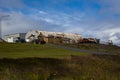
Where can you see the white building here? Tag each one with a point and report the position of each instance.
(12, 38)
(29, 36)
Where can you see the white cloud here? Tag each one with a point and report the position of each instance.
(42, 12)
(19, 22)
(115, 30)
(109, 34)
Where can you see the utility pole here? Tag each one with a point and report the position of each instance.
(1, 18)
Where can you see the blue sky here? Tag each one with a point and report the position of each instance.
(90, 18)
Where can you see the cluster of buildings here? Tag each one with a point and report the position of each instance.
(39, 37)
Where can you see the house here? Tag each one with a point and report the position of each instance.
(12, 38)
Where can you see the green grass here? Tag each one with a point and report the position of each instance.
(34, 50)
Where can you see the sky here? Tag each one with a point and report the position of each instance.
(89, 18)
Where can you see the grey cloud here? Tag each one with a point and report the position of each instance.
(12, 4)
(19, 22)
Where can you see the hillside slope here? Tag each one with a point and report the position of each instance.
(45, 62)
(18, 50)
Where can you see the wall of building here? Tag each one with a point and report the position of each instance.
(14, 37)
(74, 37)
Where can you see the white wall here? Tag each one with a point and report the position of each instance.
(10, 39)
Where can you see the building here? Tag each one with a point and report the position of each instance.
(52, 37)
(12, 38)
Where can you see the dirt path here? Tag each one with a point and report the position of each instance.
(77, 49)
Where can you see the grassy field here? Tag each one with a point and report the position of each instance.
(34, 50)
(43, 62)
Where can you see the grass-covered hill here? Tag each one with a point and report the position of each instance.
(34, 50)
(45, 62)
